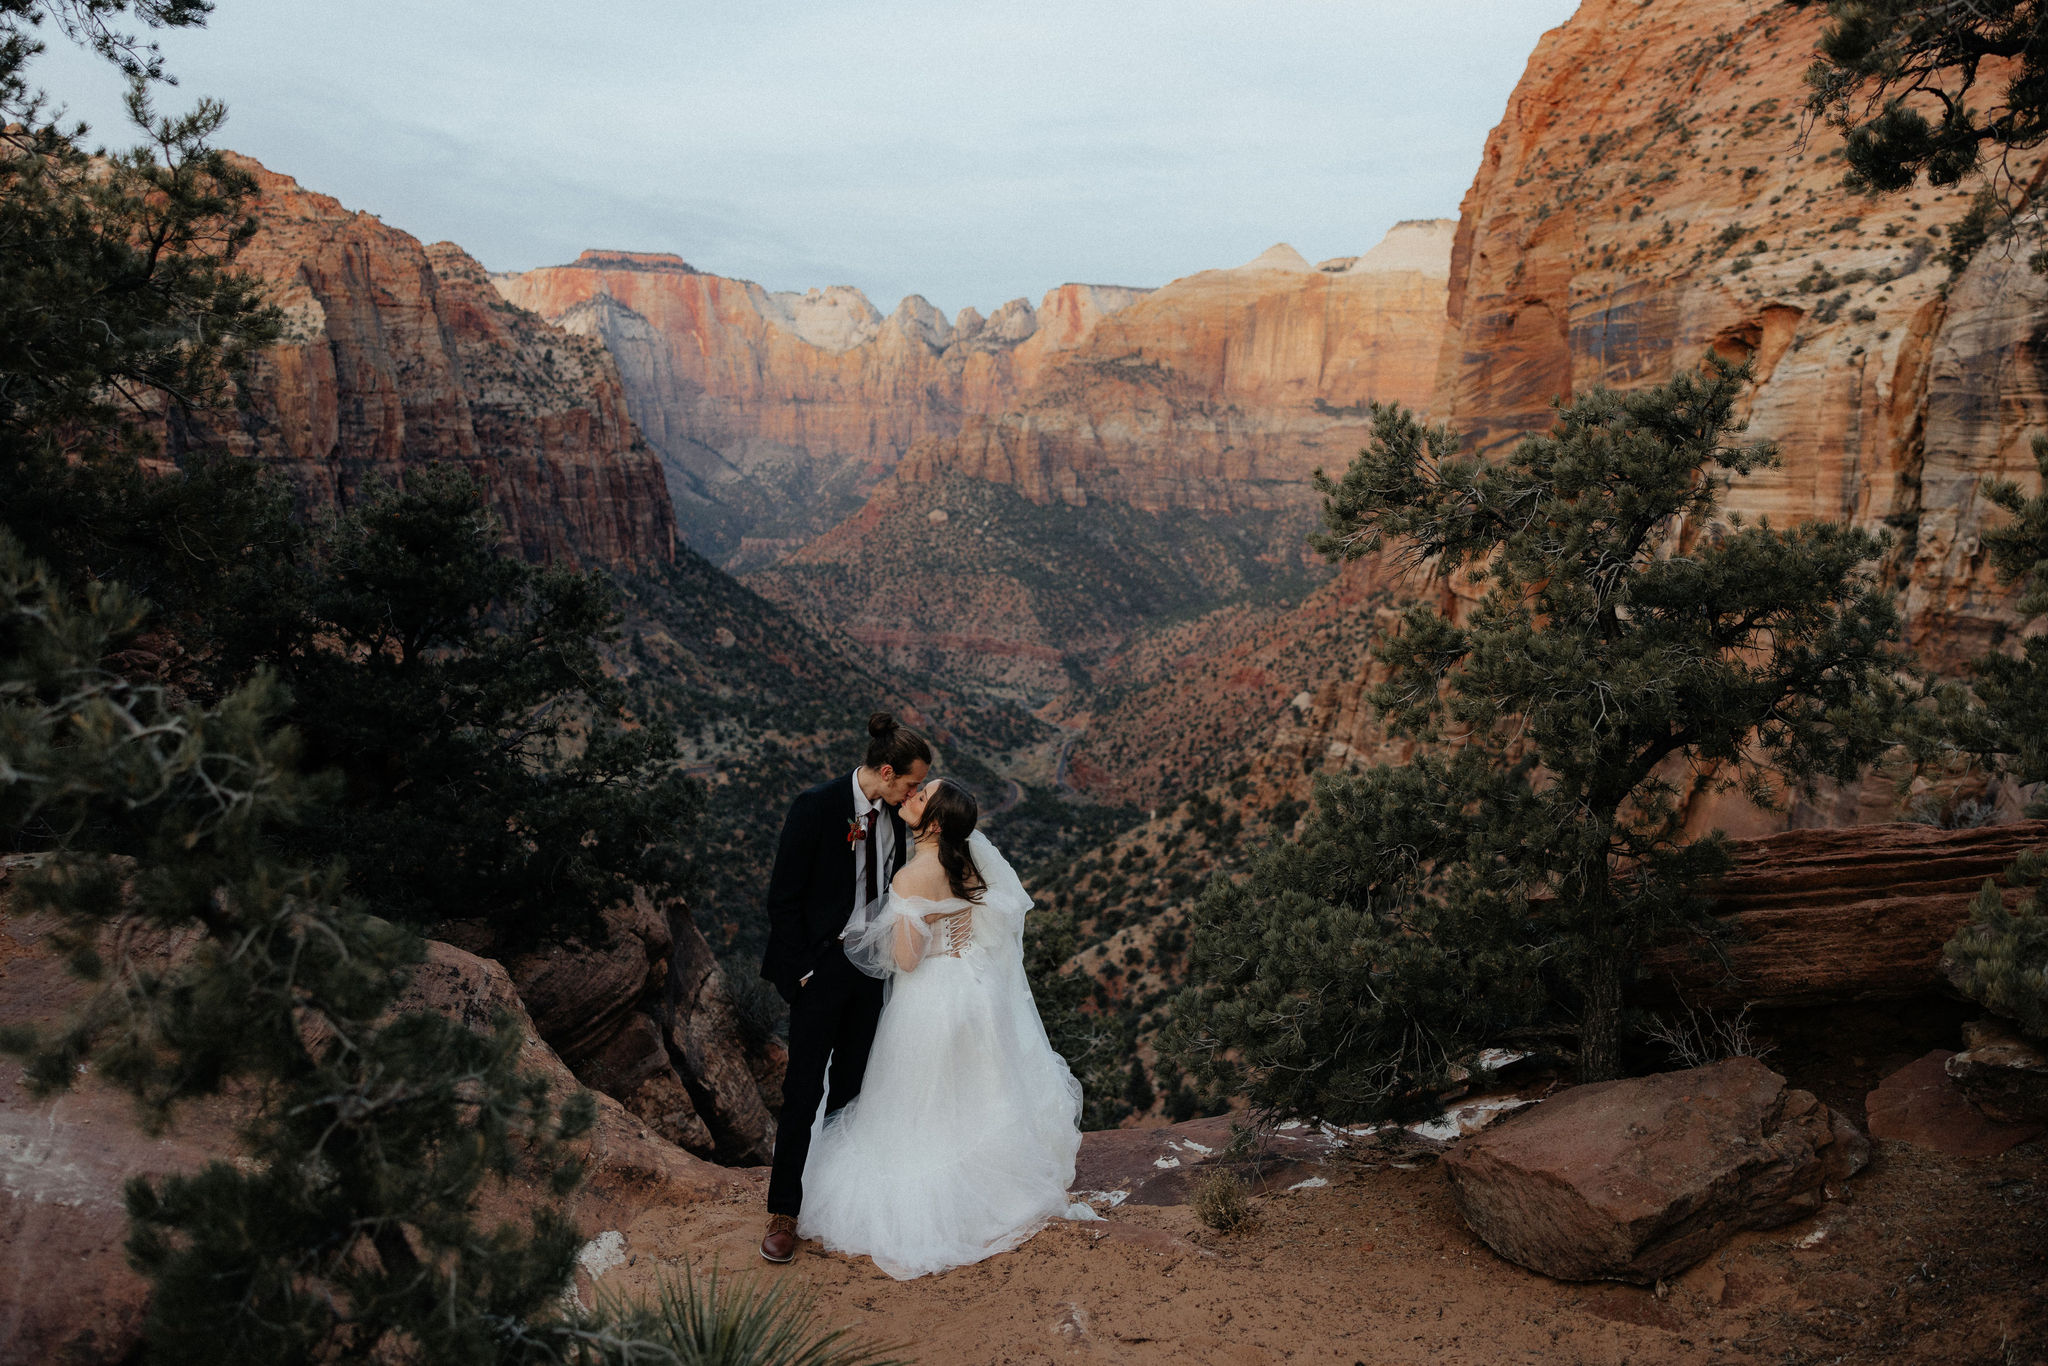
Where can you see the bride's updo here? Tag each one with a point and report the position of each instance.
(950, 812)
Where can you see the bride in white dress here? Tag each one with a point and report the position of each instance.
(961, 1142)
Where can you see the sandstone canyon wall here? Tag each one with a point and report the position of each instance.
(1655, 193)
(1224, 389)
(398, 354)
(776, 413)
(1157, 467)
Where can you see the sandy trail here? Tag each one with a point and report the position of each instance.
(1376, 1268)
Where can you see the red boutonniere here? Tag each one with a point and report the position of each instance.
(856, 830)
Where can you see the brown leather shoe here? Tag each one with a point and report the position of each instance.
(779, 1243)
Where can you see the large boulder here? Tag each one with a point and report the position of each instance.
(581, 993)
(1820, 917)
(1637, 1180)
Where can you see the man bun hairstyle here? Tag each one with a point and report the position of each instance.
(891, 744)
(951, 812)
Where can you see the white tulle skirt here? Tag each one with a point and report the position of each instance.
(961, 1143)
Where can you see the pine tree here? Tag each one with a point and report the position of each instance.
(1884, 65)
(1631, 637)
(2000, 957)
(148, 775)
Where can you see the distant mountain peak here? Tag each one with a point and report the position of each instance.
(1279, 256)
(601, 259)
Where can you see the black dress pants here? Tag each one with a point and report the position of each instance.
(831, 1028)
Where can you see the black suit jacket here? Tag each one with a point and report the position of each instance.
(810, 891)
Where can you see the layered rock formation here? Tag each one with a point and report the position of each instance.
(1159, 465)
(1222, 390)
(1821, 917)
(644, 1016)
(398, 354)
(776, 413)
(1654, 195)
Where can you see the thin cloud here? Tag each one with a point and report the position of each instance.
(966, 152)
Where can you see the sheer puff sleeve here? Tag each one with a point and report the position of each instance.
(1000, 912)
(892, 936)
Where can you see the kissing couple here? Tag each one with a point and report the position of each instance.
(896, 934)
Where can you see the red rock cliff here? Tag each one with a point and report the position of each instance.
(787, 408)
(1651, 195)
(1655, 193)
(1221, 390)
(397, 354)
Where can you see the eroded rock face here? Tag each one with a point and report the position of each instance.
(1651, 197)
(776, 412)
(397, 354)
(646, 1018)
(2004, 1075)
(1820, 917)
(1222, 390)
(1637, 1180)
(1923, 1105)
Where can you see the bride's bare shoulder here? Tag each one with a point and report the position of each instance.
(923, 878)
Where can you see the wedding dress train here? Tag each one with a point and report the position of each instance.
(961, 1143)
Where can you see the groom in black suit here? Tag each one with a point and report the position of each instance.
(842, 843)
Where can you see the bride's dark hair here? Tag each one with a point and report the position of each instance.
(951, 812)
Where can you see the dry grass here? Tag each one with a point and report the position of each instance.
(1221, 1200)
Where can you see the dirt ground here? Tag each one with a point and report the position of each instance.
(1927, 1259)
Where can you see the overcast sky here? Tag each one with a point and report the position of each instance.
(969, 152)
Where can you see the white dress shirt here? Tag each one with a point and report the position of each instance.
(885, 845)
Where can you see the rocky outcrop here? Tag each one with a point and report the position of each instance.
(2004, 1075)
(1820, 917)
(776, 413)
(1637, 1180)
(67, 1293)
(398, 354)
(644, 1016)
(1921, 1104)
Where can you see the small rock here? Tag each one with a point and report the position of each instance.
(2002, 1074)
(1637, 1180)
(1921, 1104)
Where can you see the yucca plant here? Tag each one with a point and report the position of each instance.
(712, 1322)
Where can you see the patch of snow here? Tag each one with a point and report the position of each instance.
(1813, 1239)
(1442, 1129)
(1493, 1059)
(1290, 1124)
(1313, 1183)
(1109, 1199)
(1166, 1163)
(1403, 1166)
(602, 1253)
(1082, 1212)
(1190, 1143)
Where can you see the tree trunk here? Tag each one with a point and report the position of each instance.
(1600, 1021)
